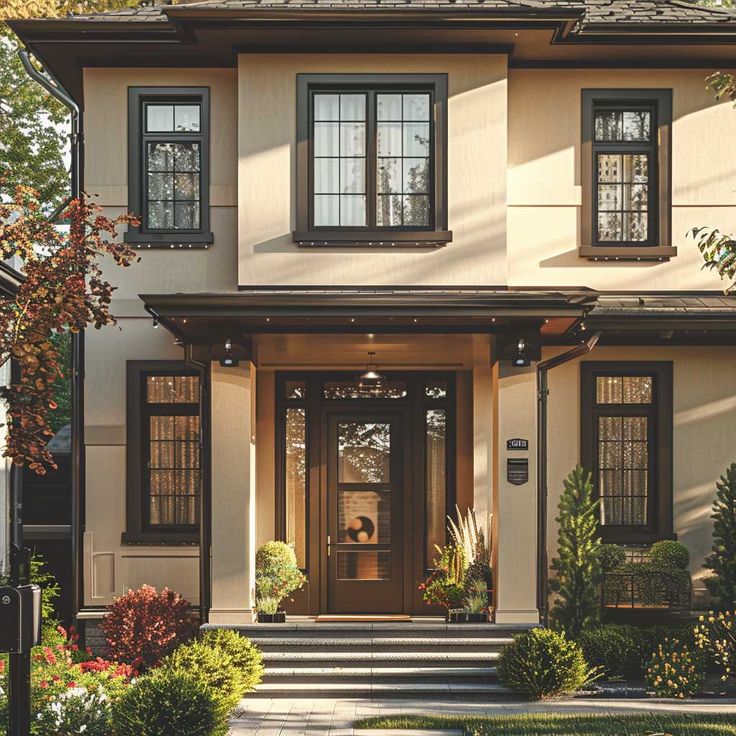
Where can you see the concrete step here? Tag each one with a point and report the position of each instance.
(391, 689)
(366, 643)
(372, 673)
(385, 630)
(377, 656)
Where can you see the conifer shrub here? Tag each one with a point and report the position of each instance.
(210, 665)
(167, 702)
(144, 625)
(722, 559)
(577, 565)
(674, 670)
(246, 656)
(543, 663)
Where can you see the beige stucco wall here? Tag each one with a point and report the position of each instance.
(110, 567)
(704, 430)
(476, 175)
(544, 189)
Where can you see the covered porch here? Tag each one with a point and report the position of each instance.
(361, 479)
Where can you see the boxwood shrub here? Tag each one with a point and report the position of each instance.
(543, 663)
(246, 657)
(614, 649)
(166, 702)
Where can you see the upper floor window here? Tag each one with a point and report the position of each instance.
(626, 178)
(169, 166)
(372, 160)
(627, 444)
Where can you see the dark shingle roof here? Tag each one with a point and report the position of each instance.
(594, 12)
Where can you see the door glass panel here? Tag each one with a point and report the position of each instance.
(364, 517)
(296, 483)
(364, 452)
(436, 480)
(363, 565)
(357, 390)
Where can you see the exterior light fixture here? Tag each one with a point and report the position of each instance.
(228, 345)
(522, 359)
(371, 381)
(155, 323)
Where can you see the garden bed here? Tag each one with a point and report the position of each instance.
(562, 725)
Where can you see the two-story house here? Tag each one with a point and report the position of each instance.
(369, 231)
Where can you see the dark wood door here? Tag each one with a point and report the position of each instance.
(365, 507)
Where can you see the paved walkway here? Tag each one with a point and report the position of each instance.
(328, 717)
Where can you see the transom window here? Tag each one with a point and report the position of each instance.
(169, 165)
(372, 160)
(626, 183)
(627, 435)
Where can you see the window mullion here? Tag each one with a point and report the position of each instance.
(371, 163)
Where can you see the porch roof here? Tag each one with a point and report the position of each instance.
(648, 318)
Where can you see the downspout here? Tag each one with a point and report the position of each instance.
(543, 369)
(56, 90)
(205, 510)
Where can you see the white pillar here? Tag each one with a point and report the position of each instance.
(516, 505)
(233, 426)
(484, 420)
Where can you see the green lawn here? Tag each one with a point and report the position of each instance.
(567, 725)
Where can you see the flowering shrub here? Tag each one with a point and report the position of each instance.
(277, 572)
(715, 636)
(674, 671)
(144, 625)
(74, 711)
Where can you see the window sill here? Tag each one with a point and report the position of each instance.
(160, 539)
(637, 538)
(169, 241)
(627, 253)
(373, 239)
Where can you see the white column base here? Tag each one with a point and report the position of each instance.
(509, 616)
(231, 616)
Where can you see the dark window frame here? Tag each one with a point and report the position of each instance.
(660, 521)
(140, 236)
(437, 233)
(137, 530)
(659, 242)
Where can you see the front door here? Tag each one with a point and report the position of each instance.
(365, 506)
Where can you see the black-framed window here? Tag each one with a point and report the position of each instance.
(168, 166)
(626, 178)
(164, 467)
(627, 445)
(371, 160)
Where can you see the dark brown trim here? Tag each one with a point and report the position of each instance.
(136, 531)
(660, 512)
(436, 233)
(660, 175)
(140, 236)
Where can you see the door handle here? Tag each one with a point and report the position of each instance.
(329, 545)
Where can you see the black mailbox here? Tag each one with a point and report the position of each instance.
(20, 618)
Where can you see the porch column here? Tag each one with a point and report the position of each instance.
(515, 505)
(233, 426)
(485, 421)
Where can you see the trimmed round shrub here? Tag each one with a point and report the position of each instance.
(668, 555)
(614, 649)
(246, 656)
(167, 702)
(674, 670)
(543, 663)
(212, 666)
(277, 572)
(143, 625)
(611, 557)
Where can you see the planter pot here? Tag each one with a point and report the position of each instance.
(457, 617)
(272, 618)
(477, 618)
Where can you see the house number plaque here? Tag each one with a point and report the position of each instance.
(517, 444)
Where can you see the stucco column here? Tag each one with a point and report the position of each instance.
(516, 505)
(233, 493)
(484, 426)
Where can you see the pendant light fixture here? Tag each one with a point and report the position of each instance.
(371, 381)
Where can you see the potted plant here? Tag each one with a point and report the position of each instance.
(277, 576)
(477, 601)
(445, 584)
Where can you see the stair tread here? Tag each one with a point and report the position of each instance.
(327, 655)
(490, 687)
(433, 671)
(380, 641)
